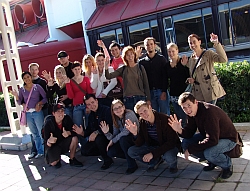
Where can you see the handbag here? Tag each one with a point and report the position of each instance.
(23, 119)
(190, 86)
(237, 151)
(116, 92)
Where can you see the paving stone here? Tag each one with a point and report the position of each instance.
(145, 179)
(242, 187)
(202, 185)
(180, 183)
(128, 178)
(101, 184)
(245, 178)
(155, 188)
(86, 182)
(117, 186)
(228, 186)
(134, 187)
(189, 174)
(235, 177)
(160, 181)
(209, 175)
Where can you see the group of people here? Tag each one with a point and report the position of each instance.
(82, 111)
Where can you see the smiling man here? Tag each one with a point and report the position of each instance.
(155, 140)
(217, 134)
(59, 137)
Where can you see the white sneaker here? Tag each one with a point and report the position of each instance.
(32, 155)
(38, 156)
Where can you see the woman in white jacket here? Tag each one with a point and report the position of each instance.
(99, 83)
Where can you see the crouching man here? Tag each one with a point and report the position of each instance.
(59, 137)
(155, 140)
(217, 134)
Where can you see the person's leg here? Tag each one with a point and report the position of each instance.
(73, 146)
(194, 140)
(69, 111)
(154, 100)
(171, 157)
(216, 154)
(90, 149)
(33, 151)
(35, 122)
(78, 114)
(137, 153)
(129, 103)
(116, 151)
(163, 104)
(102, 142)
(125, 143)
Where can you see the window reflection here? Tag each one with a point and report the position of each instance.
(225, 26)
(113, 35)
(139, 32)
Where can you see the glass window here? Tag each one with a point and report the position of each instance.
(240, 12)
(209, 28)
(113, 35)
(169, 31)
(139, 32)
(186, 24)
(225, 25)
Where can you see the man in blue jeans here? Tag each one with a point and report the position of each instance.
(155, 65)
(155, 140)
(217, 134)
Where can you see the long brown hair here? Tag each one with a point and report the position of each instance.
(115, 118)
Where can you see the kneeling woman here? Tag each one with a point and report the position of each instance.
(121, 139)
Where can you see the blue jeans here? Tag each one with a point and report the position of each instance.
(158, 104)
(78, 113)
(35, 123)
(130, 102)
(179, 111)
(138, 152)
(214, 154)
(69, 111)
(120, 149)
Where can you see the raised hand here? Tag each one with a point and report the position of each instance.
(104, 127)
(66, 133)
(78, 130)
(138, 51)
(214, 38)
(93, 70)
(52, 139)
(110, 144)
(107, 62)
(175, 124)
(184, 60)
(46, 75)
(65, 79)
(100, 43)
(132, 127)
(14, 93)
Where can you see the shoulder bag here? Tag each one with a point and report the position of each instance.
(190, 86)
(23, 119)
(82, 90)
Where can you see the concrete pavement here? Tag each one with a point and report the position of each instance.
(19, 173)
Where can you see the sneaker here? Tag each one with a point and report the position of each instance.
(38, 156)
(75, 162)
(58, 165)
(32, 155)
(153, 168)
(131, 170)
(173, 170)
(106, 165)
(226, 173)
(210, 167)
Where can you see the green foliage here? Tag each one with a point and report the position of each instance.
(3, 113)
(235, 79)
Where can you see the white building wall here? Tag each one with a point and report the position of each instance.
(65, 12)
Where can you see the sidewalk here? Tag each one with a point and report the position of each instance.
(19, 173)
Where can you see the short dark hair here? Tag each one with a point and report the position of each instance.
(26, 72)
(76, 64)
(114, 44)
(87, 96)
(186, 96)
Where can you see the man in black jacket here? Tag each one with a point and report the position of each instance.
(60, 138)
(97, 141)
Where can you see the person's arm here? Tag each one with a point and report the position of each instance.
(101, 44)
(117, 72)
(94, 81)
(145, 84)
(88, 87)
(220, 55)
(43, 94)
(112, 83)
(69, 89)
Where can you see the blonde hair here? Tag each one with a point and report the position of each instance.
(173, 45)
(139, 104)
(85, 68)
(60, 68)
(124, 52)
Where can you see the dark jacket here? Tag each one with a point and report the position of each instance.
(213, 123)
(50, 126)
(103, 113)
(156, 69)
(167, 137)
